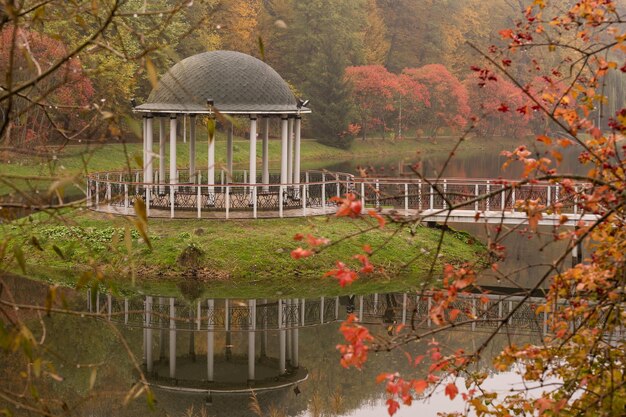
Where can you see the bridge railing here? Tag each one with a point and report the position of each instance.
(477, 195)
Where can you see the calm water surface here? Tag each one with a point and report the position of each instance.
(320, 386)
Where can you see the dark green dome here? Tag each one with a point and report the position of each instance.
(237, 83)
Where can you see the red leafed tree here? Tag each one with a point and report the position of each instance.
(448, 98)
(54, 107)
(494, 103)
(577, 367)
(375, 92)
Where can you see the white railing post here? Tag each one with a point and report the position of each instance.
(513, 199)
(502, 198)
(445, 194)
(126, 197)
(254, 201)
(97, 194)
(488, 202)
(338, 190)
(377, 194)
(323, 192)
(227, 201)
(305, 192)
(198, 200)
(280, 200)
(432, 199)
(549, 195)
(476, 196)
(406, 199)
(363, 195)
(419, 196)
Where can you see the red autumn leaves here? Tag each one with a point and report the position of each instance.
(348, 206)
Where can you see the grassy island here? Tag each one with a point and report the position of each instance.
(235, 258)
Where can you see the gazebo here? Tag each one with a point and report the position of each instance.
(212, 85)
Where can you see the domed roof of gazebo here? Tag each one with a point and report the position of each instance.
(237, 83)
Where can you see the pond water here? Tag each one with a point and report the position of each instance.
(229, 333)
(313, 384)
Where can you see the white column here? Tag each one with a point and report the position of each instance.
(172, 339)
(266, 152)
(296, 160)
(251, 339)
(211, 159)
(290, 150)
(184, 128)
(161, 153)
(144, 142)
(229, 152)
(173, 179)
(283, 142)
(148, 171)
(149, 151)
(192, 148)
(252, 179)
(210, 351)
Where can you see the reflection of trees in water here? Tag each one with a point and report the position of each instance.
(330, 389)
(358, 388)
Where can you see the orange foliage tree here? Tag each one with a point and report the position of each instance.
(578, 368)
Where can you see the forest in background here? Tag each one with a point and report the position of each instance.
(383, 69)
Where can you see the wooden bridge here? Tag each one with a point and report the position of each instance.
(450, 200)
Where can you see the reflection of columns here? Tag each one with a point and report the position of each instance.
(149, 334)
(296, 159)
(290, 150)
(294, 334)
(404, 297)
(266, 152)
(252, 179)
(161, 153)
(228, 348)
(161, 329)
(192, 338)
(172, 161)
(264, 334)
(281, 340)
(321, 310)
(251, 339)
(229, 153)
(288, 322)
(210, 342)
(192, 148)
(172, 339)
(283, 143)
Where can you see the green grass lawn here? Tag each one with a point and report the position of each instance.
(237, 258)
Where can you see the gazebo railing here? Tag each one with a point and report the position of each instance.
(118, 191)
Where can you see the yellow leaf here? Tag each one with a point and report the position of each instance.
(152, 74)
